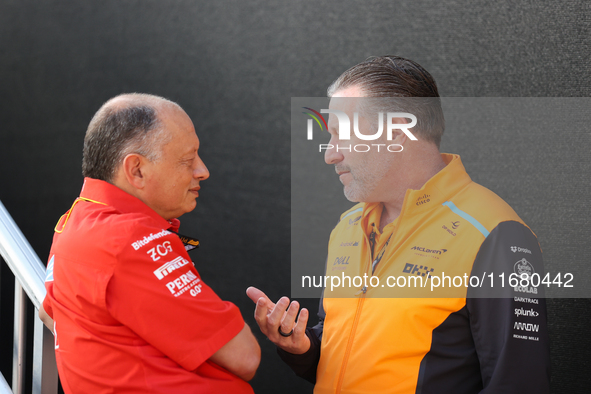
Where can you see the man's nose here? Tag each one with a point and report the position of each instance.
(201, 172)
(332, 154)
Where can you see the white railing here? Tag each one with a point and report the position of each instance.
(29, 276)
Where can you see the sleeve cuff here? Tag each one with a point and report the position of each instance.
(304, 365)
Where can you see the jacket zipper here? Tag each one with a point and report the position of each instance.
(357, 314)
(361, 293)
(350, 344)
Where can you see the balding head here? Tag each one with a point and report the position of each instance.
(129, 123)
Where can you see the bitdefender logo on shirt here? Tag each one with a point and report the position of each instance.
(149, 238)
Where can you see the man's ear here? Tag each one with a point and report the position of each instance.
(398, 136)
(401, 128)
(134, 169)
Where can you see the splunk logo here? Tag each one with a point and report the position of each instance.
(345, 129)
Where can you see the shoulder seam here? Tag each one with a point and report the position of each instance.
(466, 216)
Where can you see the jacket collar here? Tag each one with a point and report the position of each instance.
(122, 201)
(437, 190)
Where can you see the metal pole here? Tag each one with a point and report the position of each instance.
(19, 339)
(45, 378)
(21, 258)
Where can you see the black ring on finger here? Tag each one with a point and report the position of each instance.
(284, 334)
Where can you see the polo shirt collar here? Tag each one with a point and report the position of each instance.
(111, 195)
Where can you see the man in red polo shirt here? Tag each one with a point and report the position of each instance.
(130, 312)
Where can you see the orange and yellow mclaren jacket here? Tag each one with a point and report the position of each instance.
(440, 301)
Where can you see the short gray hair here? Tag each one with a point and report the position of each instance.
(123, 125)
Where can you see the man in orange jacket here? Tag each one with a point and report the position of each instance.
(420, 219)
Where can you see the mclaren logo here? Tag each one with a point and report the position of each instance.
(427, 250)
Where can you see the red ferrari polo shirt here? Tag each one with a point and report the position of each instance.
(131, 312)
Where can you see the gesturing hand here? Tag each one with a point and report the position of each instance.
(278, 322)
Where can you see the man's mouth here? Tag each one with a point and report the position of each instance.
(341, 170)
(344, 174)
(195, 190)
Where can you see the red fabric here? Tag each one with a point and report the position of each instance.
(131, 312)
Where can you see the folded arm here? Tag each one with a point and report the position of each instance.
(241, 355)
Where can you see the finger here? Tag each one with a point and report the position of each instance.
(260, 314)
(276, 316)
(288, 321)
(254, 294)
(300, 327)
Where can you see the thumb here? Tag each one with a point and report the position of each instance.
(254, 294)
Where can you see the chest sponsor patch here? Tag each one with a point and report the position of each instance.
(186, 282)
(170, 266)
(148, 238)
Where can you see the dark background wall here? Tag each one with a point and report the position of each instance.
(234, 65)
